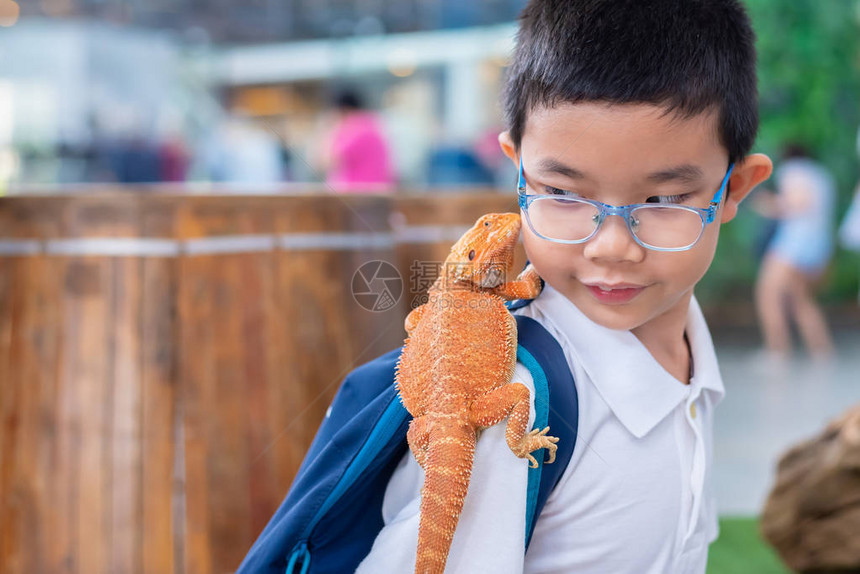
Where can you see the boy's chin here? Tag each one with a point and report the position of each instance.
(648, 308)
(616, 317)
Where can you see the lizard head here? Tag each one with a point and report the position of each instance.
(484, 255)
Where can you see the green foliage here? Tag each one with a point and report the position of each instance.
(741, 550)
(808, 78)
(809, 86)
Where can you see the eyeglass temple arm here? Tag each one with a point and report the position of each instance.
(521, 184)
(718, 198)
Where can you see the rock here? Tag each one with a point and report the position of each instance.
(812, 515)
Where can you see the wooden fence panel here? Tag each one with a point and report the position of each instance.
(165, 361)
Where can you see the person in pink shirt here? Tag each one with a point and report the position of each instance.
(358, 156)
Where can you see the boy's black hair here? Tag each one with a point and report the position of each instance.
(688, 56)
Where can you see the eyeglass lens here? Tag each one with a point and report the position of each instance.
(665, 227)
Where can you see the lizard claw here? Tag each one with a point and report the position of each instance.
(537, 439)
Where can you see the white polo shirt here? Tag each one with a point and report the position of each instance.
(636, 496)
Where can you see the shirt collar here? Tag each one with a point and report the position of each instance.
(636, 387)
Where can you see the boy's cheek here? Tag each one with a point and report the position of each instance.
(549, 263)
(548, 258)
(699, 259)
(709, 240)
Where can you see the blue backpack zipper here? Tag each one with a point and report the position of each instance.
(301, 555)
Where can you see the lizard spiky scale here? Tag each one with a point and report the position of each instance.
(455, 375)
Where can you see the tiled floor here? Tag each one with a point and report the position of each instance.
(768, 408)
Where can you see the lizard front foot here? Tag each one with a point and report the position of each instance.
(535, 440)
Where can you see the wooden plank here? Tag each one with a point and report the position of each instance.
(26, 450)
(197, 373)
(225, 318)
(64, 556)
(229, 494)
(283, 455)
(161, 541)
(48, 295)
(258, 298)
(293, 392)
(93, 356)
(28, 376)
(433, 209)
(39, 361)
(125, 463)
(32, 217)
(8, 400)
(11, 511)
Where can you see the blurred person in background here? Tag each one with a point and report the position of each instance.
(355, 154)
(240, 152)
(174, 156)
(849, 229)
(797, 255)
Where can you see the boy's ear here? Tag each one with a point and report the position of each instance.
(754, 169)
(508, 147)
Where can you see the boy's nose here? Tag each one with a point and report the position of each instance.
(613, 242)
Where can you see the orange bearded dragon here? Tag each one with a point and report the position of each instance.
(454, 375)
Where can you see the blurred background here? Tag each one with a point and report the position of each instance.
(219, 94)
(177, 306)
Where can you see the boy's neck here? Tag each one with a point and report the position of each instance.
(664, 338)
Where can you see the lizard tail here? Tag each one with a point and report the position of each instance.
(448, 468)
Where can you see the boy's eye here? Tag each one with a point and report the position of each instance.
(556, 191)
(680, 198)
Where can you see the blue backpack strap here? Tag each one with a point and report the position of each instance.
(556, 406)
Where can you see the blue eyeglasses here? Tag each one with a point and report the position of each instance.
(658, 226)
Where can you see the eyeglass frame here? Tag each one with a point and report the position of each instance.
(707, 214)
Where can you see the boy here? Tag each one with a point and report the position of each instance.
(614, 103)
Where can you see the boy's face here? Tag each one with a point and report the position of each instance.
(611, 152)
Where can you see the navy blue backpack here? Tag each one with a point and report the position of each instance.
(333, 511)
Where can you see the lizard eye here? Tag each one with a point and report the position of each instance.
(486, 224)
(471, 254)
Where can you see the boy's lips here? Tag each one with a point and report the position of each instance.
(614, 293)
